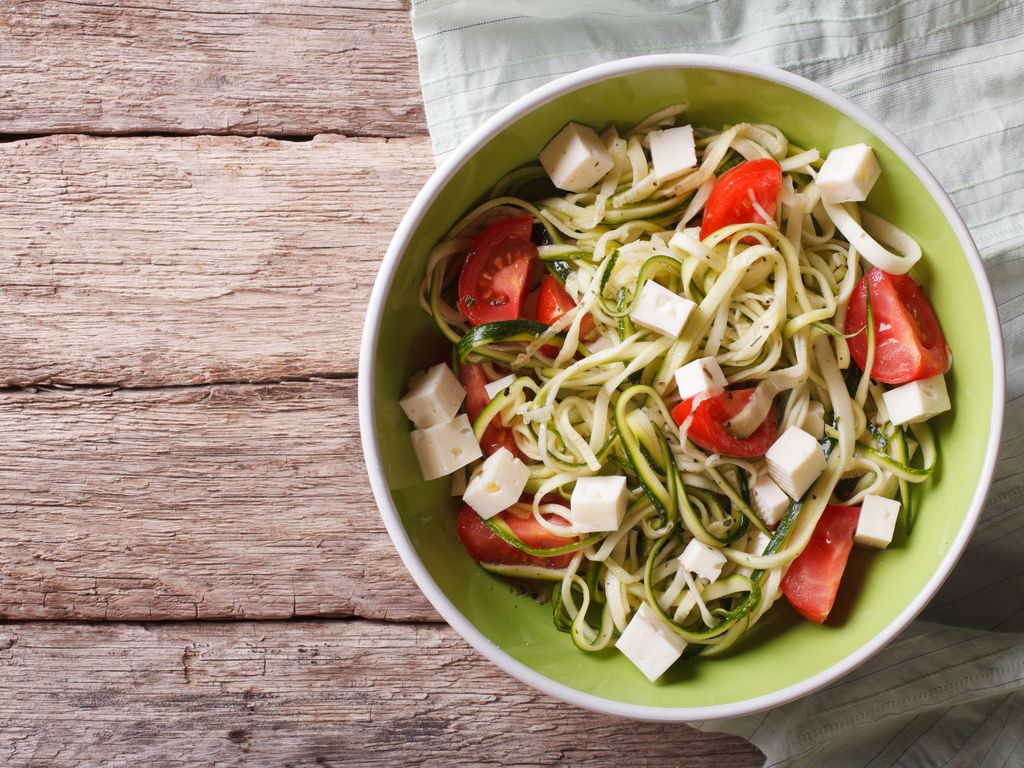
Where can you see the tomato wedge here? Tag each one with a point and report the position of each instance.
(495, 436)
(494, 277)
(486, 547)
(707, 429)
(547, 304)
(553, 301)
(812, 581)
(730, 201)
(909, 344)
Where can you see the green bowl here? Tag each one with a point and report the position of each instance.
(783, 657)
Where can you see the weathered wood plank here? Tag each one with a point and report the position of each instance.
(301, 694)
(157, 261)
(197, 502)
(272, 68)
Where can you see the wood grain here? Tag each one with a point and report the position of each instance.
(272, 68)
(163, 261)
(193, 503)
(301, 694)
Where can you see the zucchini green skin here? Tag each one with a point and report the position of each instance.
(582, 634)
(904, 471)
(902, 454)
(560, 269)
(474, 346)
(498, 332)
(561, 253)
(663, 498)
(727, 619)
(531, 572)
(502, 530)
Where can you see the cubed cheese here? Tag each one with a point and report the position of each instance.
(650, 643)
(877, 521)
(600, 344)
(672, 151)
(493, 388)
(794, 461)
(770, 502)
(814, 421)
(703, 561)
(917, 401)
(434, 397)
(700, 377)
(598, 503)
(576, 159)
(848, 174)
(658, 309)
(443, 448)
(496, 484)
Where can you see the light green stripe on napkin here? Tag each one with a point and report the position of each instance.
(948, 78)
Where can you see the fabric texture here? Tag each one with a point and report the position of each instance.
(948, 78)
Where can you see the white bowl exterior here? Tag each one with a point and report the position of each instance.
(447, 171)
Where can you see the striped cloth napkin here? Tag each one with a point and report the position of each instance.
(948, 78)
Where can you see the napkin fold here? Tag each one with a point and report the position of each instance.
(947, 78)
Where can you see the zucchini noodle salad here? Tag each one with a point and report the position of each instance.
(688, 373)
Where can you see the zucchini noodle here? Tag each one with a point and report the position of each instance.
(593, 394)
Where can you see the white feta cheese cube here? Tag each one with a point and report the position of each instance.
(703, 561)
(434, 397)
(848, 174)
(493, 388)
(672, 151)
(814, 421)
(877, 521)
(600, 344)
(770, 502)
(576, 158)
(917, 400)
(658, 309)
(794, 461)
(443, 448)
(650, 643)
(699, 377)
(496, 484)
(598, 504)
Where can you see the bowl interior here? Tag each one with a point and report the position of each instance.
(782, 650)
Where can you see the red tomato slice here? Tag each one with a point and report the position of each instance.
(529, 308)
(486, 547)
(553, 301)
(495, 436)
(494, 277)
(812, 581)
(707, 429)
(547, 304)
(909, 344)
(529, 312)
(730, 201)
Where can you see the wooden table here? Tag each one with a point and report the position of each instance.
(194, 199)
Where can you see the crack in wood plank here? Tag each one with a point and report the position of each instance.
(302, 694)
(166, 261)
(281, 68)
(193, 503)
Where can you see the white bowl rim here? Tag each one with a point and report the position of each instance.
(444, 173)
